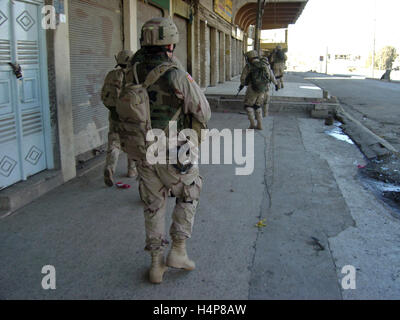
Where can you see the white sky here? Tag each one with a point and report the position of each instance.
(345, 25)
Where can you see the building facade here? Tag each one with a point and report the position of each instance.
(52, 118)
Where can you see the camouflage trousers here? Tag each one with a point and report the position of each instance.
(253, 98)
(114, 148)
(267, 100)
(279, 69)
(156, 184)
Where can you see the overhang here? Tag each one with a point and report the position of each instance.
(277, 14)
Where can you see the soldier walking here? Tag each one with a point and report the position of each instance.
(278, 61)
(173, 95)
(110, 92)
(255, 76)
(272, 79)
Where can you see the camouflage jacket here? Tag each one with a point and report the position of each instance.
(246, 71)
(175, 89)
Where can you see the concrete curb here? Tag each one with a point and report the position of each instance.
(371, 145)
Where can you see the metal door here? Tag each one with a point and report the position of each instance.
(23, 147)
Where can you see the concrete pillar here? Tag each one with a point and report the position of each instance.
(228, 57)
(222, 57)
(131, 33)
(238, 54)
(63, 96)
(204, 55)
(196, 49)
(214, 68)
(191, 42)
(233, 58)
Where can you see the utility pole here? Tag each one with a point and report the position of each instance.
(373, 49)
(257, 36)
(326, 61)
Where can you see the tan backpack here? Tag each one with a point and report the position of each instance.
(112, 87)
(133, 108)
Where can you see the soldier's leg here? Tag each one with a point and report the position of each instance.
(154, 196)
(267, 100)
(182, 225)
(259, 117)
(282, 70)
(113, 149)
(186, 188)
(250, 114)
(249, 100)
(132, 171)
(258, 110)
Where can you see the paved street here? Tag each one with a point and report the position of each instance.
(374, 103)
(318, 219)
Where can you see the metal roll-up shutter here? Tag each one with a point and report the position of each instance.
(95, 28)
(181, 48)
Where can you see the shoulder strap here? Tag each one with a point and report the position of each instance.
(157, 73)
(174, 118)
(154, 74)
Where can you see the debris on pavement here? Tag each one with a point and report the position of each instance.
(121, 185)
(261, 224)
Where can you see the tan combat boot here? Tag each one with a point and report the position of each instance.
(259, 119)
(178, 258)
(158, 267)
(108, 177)
(132, 172)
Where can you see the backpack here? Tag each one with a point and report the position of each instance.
(133, 108)
(258, 76)
(112, 87)
(280, 56)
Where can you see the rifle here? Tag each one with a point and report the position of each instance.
(240, 89)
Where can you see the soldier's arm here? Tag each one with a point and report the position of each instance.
(272, 76)
(194, 100)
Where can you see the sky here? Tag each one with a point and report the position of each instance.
(345, 25)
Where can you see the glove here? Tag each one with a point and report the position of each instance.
(276, 87)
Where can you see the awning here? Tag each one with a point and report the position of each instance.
(277, 14)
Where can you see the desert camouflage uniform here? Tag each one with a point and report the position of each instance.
(114, 146)
(176, 89)
(278, 66)
(253, 100)
(267, 96)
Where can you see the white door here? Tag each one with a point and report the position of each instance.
(23, 146)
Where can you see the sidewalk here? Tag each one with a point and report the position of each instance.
(318, 218)
(294, 87)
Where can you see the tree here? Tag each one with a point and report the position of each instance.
(384, 58)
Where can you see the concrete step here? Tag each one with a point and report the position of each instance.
(231, 103)
(25, 192)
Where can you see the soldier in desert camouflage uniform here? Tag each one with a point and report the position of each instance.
(174, 93)
(113, 83)
(272, 79)
(256, 77)
(278, 61)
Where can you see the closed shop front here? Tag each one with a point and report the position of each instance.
(96, 36)
(181, 49)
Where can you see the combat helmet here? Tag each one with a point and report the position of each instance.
(251, 54)
(159, 32)
(123, 57)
